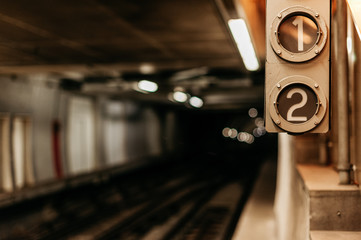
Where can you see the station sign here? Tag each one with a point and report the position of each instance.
(297, 66)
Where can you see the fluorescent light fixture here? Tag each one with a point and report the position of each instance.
(180, 96)
(242, 38)
(147, 86)
(196, 102)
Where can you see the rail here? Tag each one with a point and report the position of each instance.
(198, 200)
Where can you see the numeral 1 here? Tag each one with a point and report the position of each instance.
(298, 22)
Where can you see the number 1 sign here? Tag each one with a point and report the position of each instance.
(300, 34)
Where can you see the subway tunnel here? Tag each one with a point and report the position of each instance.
(163, 120)
(127, 120)
(71, 161)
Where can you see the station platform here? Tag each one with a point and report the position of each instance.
(257, 221)
(330, 214)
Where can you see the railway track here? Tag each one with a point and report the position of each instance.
(193, 202)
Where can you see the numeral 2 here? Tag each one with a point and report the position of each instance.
(303, 102)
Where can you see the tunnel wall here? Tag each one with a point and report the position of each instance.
(91, 133)
(31, 98)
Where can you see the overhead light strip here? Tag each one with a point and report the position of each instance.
(243, 40)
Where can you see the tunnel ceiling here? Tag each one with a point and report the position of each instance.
(101, 40)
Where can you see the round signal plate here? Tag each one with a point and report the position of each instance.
(298, 34)
(299, 104)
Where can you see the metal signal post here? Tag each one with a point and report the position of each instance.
(297, 66)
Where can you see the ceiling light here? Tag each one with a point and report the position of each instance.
(226, 132)
(243, 40)
(146, 68)
(252, 112)
(233, 133)
(196, 102)
(180, 96)
(147, 86)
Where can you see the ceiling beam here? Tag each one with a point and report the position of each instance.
(136, 31)
(48, 35)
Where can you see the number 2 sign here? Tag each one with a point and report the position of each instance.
(298, 104)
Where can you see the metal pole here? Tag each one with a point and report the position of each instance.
(341, 81)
